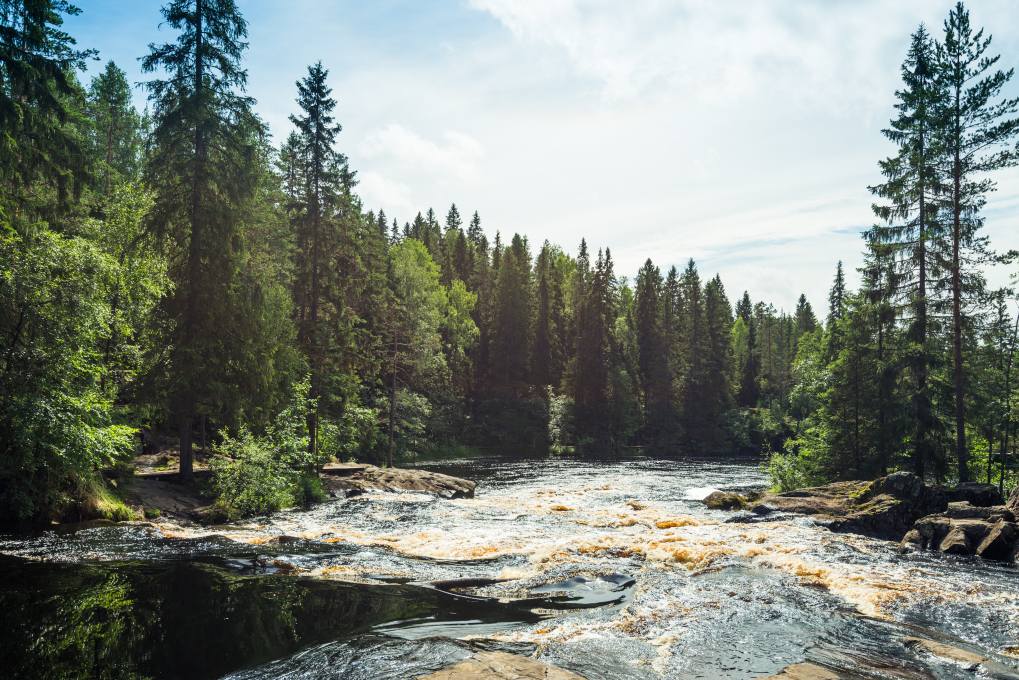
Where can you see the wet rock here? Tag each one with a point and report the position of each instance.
(722, 500)
(802, 671)
(970, 661)
(501, 666)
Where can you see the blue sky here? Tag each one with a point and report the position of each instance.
(742, 134)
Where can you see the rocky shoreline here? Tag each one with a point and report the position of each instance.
(968, 519)
(162, 495)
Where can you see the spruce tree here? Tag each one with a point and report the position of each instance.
(453, 221)
(320, 230)
(837, 296)
(977, 127)
(37, 91)
(474, 232)
(118, 139)
(203, 168)
(647, 324)
(912, 238)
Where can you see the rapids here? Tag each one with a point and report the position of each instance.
(611, 568)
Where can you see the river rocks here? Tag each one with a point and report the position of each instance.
(970, 661)
(962, 529)
(501, 666)
(902, 507)
(884, 508)
(349, 478)
(802, 671)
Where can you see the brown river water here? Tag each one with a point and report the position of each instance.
(611, 568)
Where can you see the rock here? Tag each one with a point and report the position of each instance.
(999, 541)
(976, 494)
(722, 500)
(970, 661)
(1013, 500)
(956, 543)
(901, 507)
(354, 482)
(965, 510)
(501, 666)
(802, 671)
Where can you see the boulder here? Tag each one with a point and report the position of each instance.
(722, 500)
(501, 666)
(956, 542)
(1013, 500)
(999, 541)
(902, 507)
(962, 529)
(976, 494)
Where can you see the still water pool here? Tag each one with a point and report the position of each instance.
(611, 568)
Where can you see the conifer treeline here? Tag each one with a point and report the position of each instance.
(177, 271)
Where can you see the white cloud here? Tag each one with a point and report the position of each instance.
(819, 52)
(376, 190)
(456, 158)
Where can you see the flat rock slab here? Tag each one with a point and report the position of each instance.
(398, 479)
(167, 497)
(971, 661)
(502, 666)
(344, 469)
(802, 671)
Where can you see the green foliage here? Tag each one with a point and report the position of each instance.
(55, 420)
(259, 474)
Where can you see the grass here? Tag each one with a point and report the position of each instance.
(86, 496)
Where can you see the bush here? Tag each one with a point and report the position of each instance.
(794, 468)
(255, 475)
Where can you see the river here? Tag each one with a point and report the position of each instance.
(610, 568)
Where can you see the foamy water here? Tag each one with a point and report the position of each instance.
(701, 595)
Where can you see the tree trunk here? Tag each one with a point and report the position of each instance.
(392, 405)
(960, 414)
(186, 468)
(190, 349)
(109, 154)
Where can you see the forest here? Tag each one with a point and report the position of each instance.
(176, 274)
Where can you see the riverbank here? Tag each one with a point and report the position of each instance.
(163, 495)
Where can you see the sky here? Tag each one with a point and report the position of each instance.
(743, 134)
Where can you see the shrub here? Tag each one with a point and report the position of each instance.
(253, 475)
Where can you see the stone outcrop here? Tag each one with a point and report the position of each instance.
(963, 529)
(352, 479)
(885, 508)
(502, 666)
(968, 519)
